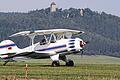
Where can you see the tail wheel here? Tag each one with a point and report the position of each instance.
(55, 63)
(69, 63)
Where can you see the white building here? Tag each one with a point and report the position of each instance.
(53, 7)
(81, 12)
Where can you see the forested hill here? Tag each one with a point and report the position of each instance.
(102, 29)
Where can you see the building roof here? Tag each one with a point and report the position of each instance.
(53, 3)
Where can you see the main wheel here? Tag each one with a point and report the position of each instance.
(69, 63)
(55, 63)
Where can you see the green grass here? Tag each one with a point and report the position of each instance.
(86, 68)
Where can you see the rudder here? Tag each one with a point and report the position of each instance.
(7, 47)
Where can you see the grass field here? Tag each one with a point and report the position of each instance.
(86, 68)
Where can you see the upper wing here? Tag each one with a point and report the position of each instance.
(23, 33)
(44, 32)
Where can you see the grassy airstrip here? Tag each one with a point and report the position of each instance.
(86, 68)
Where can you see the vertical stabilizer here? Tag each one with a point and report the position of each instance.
(7, 47)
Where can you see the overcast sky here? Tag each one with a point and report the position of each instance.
(108, 6)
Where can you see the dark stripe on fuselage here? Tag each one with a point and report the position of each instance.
(71, 43)
(71, 46)
(71, 40)
(73, 50)
(4, 46)
(51, 48)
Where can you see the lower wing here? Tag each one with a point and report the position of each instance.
(33, 54)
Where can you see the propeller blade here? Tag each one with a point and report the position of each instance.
(82, 52)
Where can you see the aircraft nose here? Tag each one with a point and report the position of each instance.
(83, 43)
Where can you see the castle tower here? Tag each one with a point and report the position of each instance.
(81, 12)
(53, 7)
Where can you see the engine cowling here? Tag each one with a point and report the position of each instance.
(75, 45)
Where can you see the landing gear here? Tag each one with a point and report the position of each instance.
(69, 63)
(55, 63)
(5, 63)
(56, 59)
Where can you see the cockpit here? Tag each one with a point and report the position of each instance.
(53, 37)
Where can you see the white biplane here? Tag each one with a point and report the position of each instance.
(56, 46)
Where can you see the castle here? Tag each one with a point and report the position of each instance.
(53, 7)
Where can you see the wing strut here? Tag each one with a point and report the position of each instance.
(32, 41)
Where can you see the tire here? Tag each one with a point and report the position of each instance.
(69, 63)
(55, 63)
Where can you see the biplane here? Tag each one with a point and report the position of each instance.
(56, 44)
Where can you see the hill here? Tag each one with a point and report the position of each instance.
(102, 29)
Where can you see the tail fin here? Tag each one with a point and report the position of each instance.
(7, 47)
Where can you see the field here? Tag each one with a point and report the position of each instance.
(86, 68)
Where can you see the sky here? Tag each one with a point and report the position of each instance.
(108, 6)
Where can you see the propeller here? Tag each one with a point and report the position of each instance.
(82, 45)
(82, 52)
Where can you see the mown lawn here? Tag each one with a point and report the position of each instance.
(86, 68)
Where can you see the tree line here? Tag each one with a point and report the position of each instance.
(102, 30)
